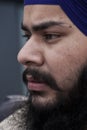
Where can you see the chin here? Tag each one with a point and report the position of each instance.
(42, 101)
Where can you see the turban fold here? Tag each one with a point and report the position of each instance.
(76, 10)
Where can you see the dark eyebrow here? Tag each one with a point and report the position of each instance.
(44, 25)
(23, 27)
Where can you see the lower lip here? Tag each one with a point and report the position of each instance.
(36, 86)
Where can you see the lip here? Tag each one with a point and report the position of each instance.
(35, 86)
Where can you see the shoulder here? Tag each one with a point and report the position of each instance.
(10, 105)
(10, 113)
(13, 122)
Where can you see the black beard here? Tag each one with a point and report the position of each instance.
(68, 114)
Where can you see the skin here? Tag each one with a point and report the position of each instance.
(62, 51)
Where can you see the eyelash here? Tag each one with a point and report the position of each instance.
(46, 37)
(49, 37)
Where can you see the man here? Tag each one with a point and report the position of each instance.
(55, 61)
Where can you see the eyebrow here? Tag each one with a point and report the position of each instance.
(44, 25)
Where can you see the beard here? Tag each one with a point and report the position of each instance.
(69, 113)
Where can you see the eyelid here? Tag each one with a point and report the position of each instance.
(53, 37)
(53, 34)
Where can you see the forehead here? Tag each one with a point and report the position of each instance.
(34, 14)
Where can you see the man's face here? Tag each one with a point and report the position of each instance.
(55, 49)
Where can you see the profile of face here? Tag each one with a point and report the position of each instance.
(54, 55)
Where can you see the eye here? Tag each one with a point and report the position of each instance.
(26, 36)
(51, 37)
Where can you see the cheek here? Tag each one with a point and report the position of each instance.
(64, 72)
(64, 64)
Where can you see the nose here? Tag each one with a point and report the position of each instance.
(31, 53)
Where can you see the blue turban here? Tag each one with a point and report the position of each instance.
(76, 10)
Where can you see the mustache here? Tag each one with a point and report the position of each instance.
(41, 76)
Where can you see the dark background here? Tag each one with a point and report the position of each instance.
(11, 12)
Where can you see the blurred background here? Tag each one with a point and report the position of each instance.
(11, 12)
